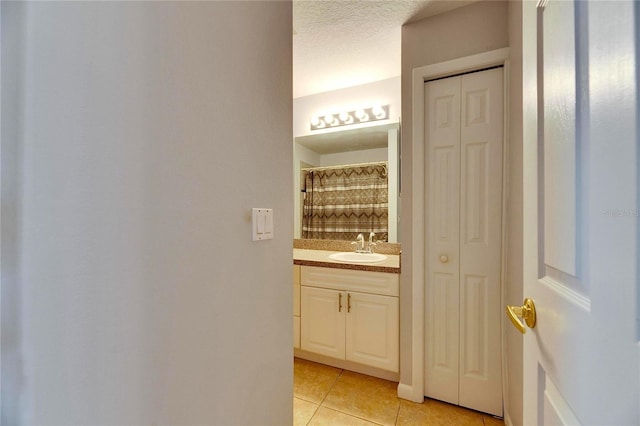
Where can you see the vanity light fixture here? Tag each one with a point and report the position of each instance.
(344, 118)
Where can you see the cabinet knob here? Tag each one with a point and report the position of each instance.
(444, 258)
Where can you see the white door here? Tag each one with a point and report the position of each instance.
(581, 236)
(373, 330)
(322, 315)
(464, 117)
(442, 292)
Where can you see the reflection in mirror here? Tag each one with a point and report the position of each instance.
(340, 202)
(347, 183)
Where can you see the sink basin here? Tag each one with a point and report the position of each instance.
(358, 257)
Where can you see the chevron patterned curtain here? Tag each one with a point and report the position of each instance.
(342, 202)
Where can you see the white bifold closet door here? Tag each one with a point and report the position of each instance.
(464, 138)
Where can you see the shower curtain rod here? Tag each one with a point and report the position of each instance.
(375, 163)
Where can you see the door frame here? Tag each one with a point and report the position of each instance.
(415, 390)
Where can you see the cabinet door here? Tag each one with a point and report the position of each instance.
(322, 315)
(373, 330)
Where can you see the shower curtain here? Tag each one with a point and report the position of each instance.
(342, 202)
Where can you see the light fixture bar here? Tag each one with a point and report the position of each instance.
(346, 118)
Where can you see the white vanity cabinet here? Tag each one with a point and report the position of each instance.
(296, 306)
(350, 315)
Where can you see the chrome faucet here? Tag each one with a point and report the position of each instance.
(372, 235)
(360, 244)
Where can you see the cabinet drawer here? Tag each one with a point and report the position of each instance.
(346, 279)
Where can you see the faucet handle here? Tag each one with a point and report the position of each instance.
(371, 246)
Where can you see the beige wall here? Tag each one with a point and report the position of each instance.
(142, 299)
(11, 366)
(514, 278)
(477, 28)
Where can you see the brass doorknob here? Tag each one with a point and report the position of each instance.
(444, 258)
(527, 312)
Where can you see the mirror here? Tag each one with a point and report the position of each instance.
(375, 148)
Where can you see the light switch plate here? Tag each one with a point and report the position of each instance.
(262, 224)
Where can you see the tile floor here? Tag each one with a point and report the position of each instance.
(324, 395)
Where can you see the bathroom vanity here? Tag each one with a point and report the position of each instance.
(346, 313)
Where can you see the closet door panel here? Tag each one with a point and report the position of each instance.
(481, 142)
(442, 330)
(443, 238)
(475, 352)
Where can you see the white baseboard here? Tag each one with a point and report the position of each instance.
(407, 392)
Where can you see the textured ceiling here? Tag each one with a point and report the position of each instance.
(343, 43)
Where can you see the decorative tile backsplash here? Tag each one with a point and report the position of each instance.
(337, 245)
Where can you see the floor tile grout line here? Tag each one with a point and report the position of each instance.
(339, 411)
(306, 400)
(350, 414)
(314, 413)
(332, 385)
(353, 415)
(310, 402)
(398, 412)
(485, 418)
(318, 404)
(325, 397)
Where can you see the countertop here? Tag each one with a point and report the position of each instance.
(310, 257)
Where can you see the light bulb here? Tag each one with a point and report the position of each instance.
(362, 116)
(329, 119)
(346, 117)
(378, 111)
(315, 121)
